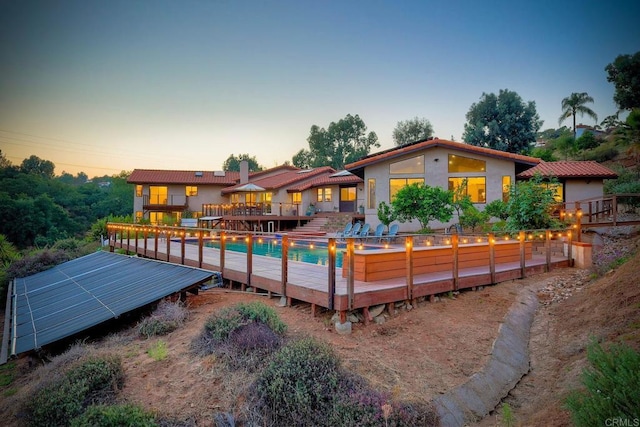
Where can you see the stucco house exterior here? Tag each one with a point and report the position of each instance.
(280, 191)
(442, 163)
(577, 180)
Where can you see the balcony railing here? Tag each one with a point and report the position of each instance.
(170, 202)
(256, 209)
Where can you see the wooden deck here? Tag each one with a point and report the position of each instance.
(331, 287)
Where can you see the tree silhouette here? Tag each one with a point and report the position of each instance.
(574, 104)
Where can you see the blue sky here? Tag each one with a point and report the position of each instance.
(105, 86)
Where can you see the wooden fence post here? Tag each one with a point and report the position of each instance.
(547, 246)
(145, 234)
(492, 257)
(332, 272)
(183, 237)
(454, 246)
(223, 246)
(249, 241)
(350, 271)
(284, 276)
(200, 244)
(523, 266)
(168, 236)
(409, 266)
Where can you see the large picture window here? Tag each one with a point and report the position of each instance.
(158, 195)
(459, 164)
(407, 166)
(395, 184)
(371, 192)
(476, 187)
(348, 194)
(506, 186)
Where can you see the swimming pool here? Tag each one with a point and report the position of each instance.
(299, 250)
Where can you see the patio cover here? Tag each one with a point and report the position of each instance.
(85, 292)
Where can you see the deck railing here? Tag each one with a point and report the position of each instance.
(403, 256)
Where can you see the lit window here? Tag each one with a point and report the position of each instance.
(191, 190)
(371, 202)
(348, 194)
(320, 196)
(506, 186)
(465, 164)
(395, 184)
(558, 191)
(412, 165)
(138, 216)
(296, 198)
(476, 187)
(138, 190)
(327, 194)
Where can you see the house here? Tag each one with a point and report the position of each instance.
(489, 174)
(577, 180)
(283, 191)
(438, 163)
(582, 129)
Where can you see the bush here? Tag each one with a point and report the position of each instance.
(114, 416)
(36, 262)
(244, 335)
(300, 384)
(602, 154)
(93, 380)
(305, 385)
(166, 318)
(612, 387)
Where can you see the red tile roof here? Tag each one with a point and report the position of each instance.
(570, 169)
(155, 176)
(295, 179)
(324, 180)
(430, 143)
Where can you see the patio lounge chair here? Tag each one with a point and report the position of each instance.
(347, 229)
(364, 232)
(377, 234)
(355, 231)
(393, 233)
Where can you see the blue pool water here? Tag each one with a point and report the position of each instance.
(305, 251)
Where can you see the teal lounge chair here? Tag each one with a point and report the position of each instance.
(393, 233)
(355, 231)
(347, 230)
(364, 232)
(377, 234)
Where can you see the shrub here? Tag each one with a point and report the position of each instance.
(612, 387)
(305, 385)
(497, 209)
(114, 416)
(158, 351)
(36, 262)
(300, 384)
(244, 335)
(93, 380)
(166, 318)
(602, 154)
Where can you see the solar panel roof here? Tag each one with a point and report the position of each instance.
(87, 291)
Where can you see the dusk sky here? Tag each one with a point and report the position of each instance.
(106, 86)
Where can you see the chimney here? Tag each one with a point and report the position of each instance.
(244, 172)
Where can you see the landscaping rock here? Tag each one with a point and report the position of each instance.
(343, 328)
(376, 310)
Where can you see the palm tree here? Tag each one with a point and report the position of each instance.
(573, 104)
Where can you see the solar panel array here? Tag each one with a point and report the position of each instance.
(87, 291)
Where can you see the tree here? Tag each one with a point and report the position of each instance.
(502, 122)
(37, 166)
(610, 122)
(385, 214)
(624, 73)
(530, 205)
(4, 162)
(412, 130)
(233, 163)
(574, 104)
(424, 203)
(343, 142)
